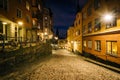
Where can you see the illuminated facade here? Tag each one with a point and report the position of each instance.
(101, 37)
(70, 38)
(15, 19)
(37, 20)
(47, 24)
(22, 20)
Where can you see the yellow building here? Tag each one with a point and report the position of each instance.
(77, 42)
(101, 29)
(15, 19)
(70, 38)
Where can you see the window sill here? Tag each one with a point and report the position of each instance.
(113, 55)
(98, 50)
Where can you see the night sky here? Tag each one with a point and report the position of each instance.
(63, 13)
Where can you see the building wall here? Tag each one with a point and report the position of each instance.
(103, 34)
(10, 17)
(99, 37)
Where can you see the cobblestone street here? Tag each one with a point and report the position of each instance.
(62, 65)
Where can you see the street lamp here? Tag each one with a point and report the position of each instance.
(56, 38)
(20, 23)
(108, 17)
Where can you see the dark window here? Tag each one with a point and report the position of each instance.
(89, 27)
(83, 29)
(89, 10)
(79, 21)
(28, 19)
(1, 27)
(4, 4)
(19, 13)
(98, 45)
(84, 15)
(19, 1)
(97, 24)
(1, 3)
(97, 4)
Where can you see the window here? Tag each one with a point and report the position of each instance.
(79, 22)
(89, 10)
(96, 4)
(1, 27)
(89, 27)
(84, 27)
(84, 15)
(112, 48)
(19, 1)
(84, 44)
(28, 19)
(27, 6)
(46, 18)
(1, 3)
(19, 13)
(4, 4)
(77, 32)
(90, 44)
(39, 7)
(97, 24)
(98, 45)
(113, 23)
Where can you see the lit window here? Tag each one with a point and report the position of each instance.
(39, 7)
(84, 44)
(27, 6)
(97, 24)
(112, 48)
(46, 18)
(90, 44)
(77, 32)
(98, 45)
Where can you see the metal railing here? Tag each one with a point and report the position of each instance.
(12, 43)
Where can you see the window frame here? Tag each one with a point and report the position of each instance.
(97, 25)
(98, 45)
(112, 54)
(89, 27)
(19, 13)
(97, 4)
(90, 45)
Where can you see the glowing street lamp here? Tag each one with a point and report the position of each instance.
(45, 33)
(108, 18)
(20, 23)
(4, 22)
(56, 38)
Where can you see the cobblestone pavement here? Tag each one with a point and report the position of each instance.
(63, 65)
